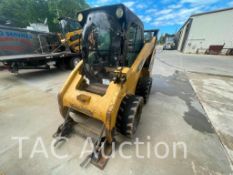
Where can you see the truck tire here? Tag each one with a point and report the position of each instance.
(14, 68)
(129, 115)
(73, 62)
(143, 88)
(60, 65)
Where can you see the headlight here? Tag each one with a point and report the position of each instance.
(119, 12)
(80, 17)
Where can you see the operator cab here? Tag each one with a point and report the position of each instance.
(112, 38)
(71, 33)
(68, 25)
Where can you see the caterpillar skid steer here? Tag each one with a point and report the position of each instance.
(112, 82)
(71, 31)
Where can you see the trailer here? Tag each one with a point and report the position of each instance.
(27, 49)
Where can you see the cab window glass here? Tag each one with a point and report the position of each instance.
(134, 35)
(138, 42)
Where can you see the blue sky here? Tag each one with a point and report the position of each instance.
(167, 15)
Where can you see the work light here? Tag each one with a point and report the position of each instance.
(119, 12)
(80, 17)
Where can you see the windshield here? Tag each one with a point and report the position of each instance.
(101, 37)
(68, 25)
(98, 41)
(101, 44)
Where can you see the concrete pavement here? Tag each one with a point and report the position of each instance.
(216, 96)
(28, 107)
(211, 64)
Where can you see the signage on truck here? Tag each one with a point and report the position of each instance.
(13, 42)
(13, 34)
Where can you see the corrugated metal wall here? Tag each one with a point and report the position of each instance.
(209, 29)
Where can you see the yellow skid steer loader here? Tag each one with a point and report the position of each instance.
(71, 32)
(112, 82)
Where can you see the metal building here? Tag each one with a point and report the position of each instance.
(205, 31)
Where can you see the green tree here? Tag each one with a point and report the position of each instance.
(162, 39)
(68, 8)
(16, 11)
(23, 12)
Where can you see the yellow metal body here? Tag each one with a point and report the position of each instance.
(104, 108)
(75, 45)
